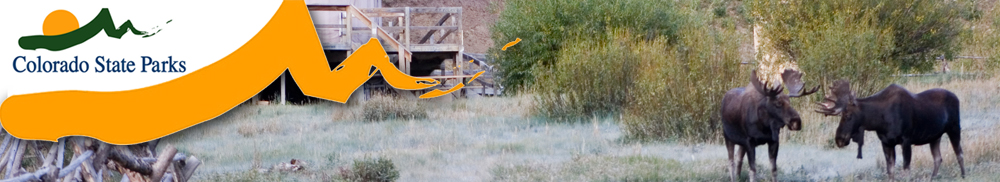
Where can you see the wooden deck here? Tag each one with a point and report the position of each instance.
(403, 38)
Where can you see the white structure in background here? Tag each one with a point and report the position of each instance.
(770, 61)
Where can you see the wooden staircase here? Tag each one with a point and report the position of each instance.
(404, 39)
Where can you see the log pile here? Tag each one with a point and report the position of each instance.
(92, 160)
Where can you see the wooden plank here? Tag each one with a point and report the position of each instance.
(340, 46)
(385, 14)
(435, 48)
(446, 77)
(473, 87)
(436, 10)
(330, 25)
(439, 23)
(459, 62)
(383, 10)
(403, 28)
(444, 36)
(282, 90)
(404, 57)
(413, 10)
(349, 32)
(327, 7)
(406, 30)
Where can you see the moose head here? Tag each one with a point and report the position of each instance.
(777, 106)
(841, 101)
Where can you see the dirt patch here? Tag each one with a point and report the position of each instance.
(477, 18)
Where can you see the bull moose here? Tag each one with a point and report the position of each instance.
(753, 116)
(899, 118)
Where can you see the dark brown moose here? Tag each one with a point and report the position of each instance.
(900, 118)
(753, 116)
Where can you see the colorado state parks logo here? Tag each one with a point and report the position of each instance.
(60, 31)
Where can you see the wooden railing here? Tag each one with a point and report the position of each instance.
(396, 35)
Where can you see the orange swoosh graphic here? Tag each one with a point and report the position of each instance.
(287, 41)
(512, 43)
(438, 93)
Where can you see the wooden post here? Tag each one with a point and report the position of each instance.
(349, 29)
(282, 88)
(406, 41)
(400, 23)
(461, 46)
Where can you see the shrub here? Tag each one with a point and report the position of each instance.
(865, 41)
(662, 90)
(590, 77)
(680, 87)
(387, 107)
(377, 169)
(668, 86)
(546, 25)
(981, 41)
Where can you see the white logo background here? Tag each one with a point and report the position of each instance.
(200, 33)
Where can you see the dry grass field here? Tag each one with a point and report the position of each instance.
(498, 139)
(503, 139)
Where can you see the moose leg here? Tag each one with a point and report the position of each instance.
(890, 158)
(956, 139)
(772, 151)
(936, 152)
(740, 153)
(907, 154)
(732, 163)
(752, 161)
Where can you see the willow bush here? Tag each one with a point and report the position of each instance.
(591, 78)
(662, 88)
(545, 25)
(865, 41)
(663, 66)
(679, 89)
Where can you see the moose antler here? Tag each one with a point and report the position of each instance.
(761, 85)
(774, 91)
(793, 79)
(828, 108)
(831, 105)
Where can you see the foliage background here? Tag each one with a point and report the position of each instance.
(662, 67)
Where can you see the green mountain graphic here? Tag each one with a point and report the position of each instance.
(103, 21)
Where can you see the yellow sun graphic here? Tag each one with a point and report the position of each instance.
(59, 22)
